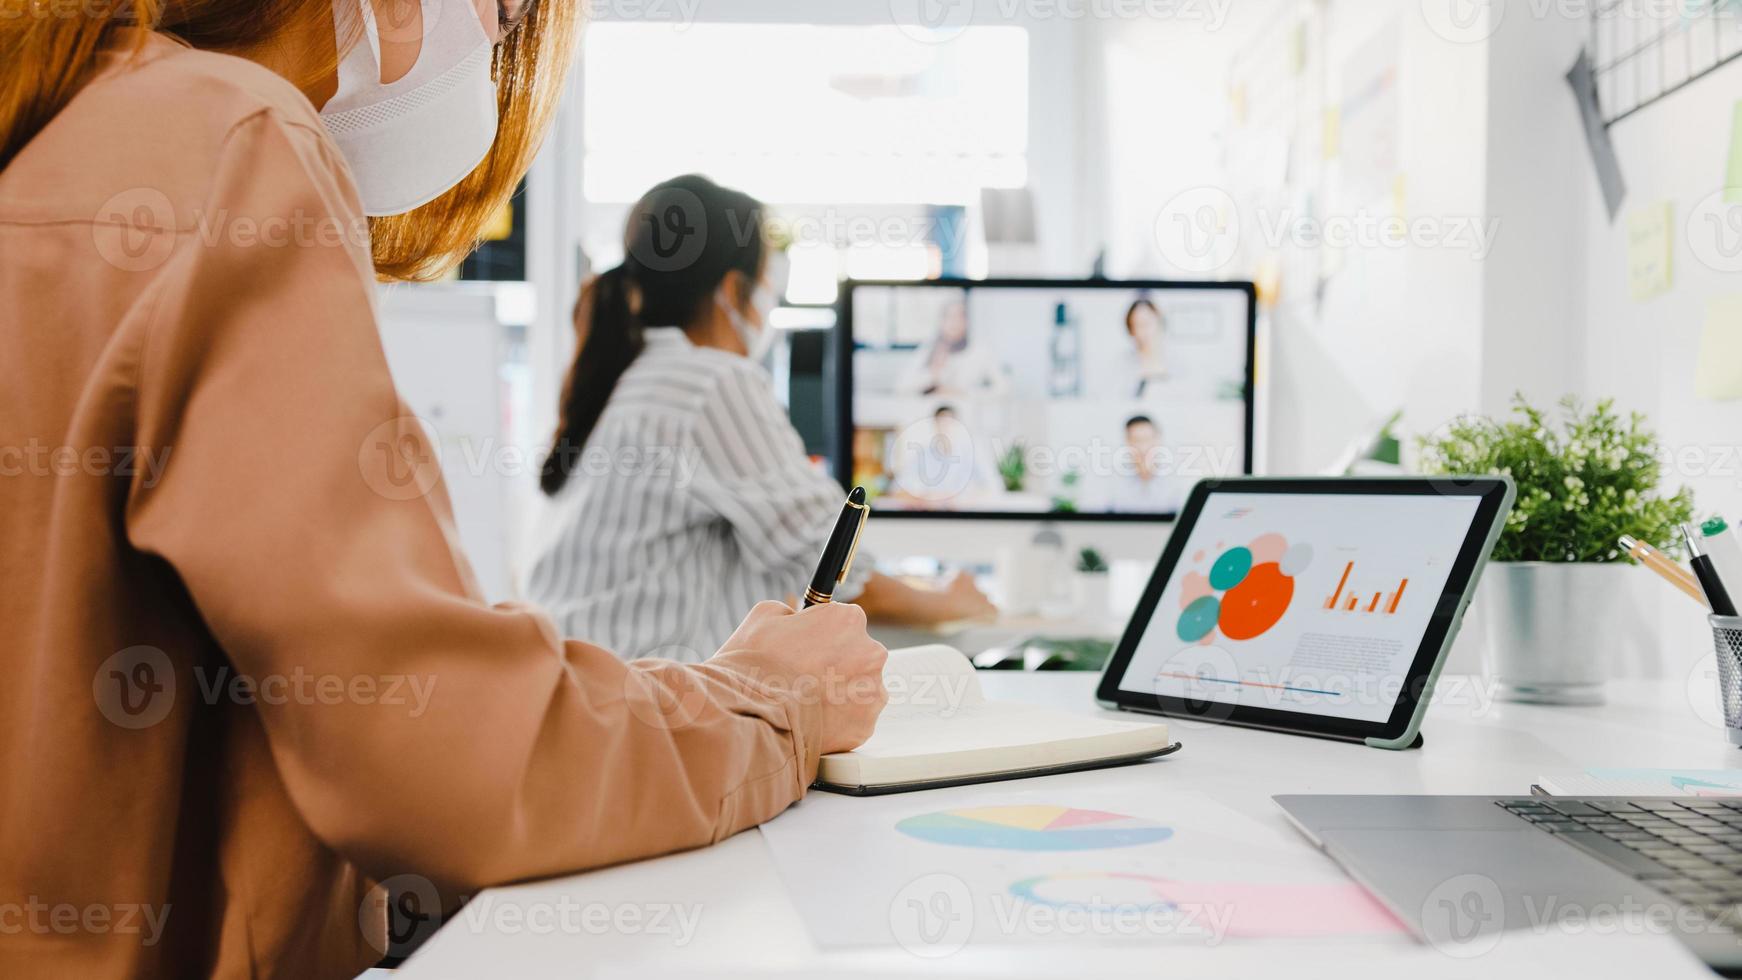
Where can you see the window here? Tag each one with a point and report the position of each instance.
(798, 113)
(846, 131)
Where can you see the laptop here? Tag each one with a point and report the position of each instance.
(1462, 871)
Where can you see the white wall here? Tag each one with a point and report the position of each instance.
(1399, 327)
(1488, 127)
(1563, 282)
(1539, 178)
(1162, 90)
(1558, 313)
(1643, 353)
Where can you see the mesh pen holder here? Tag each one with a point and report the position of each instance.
(1727, 641)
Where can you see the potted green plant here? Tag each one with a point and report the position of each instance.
(1065, 500)
(1013, 467)
(1090, 562)
(1559, 592)
(1093, 585)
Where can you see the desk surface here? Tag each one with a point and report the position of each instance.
(746, 925)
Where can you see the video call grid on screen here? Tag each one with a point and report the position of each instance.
(1085, 400)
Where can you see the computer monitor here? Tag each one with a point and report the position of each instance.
(1055, 399)
(809, 389)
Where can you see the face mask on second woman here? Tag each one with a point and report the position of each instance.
(411, 140)
(759, 340)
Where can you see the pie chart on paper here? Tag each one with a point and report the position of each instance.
(1033, 828)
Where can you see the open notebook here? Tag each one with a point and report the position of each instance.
(939, 730)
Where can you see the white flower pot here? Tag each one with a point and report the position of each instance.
(1555, 631)
(1094, 593)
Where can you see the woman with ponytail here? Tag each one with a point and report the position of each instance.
(248, 674)
(681, 490)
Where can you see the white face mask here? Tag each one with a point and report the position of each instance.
(758, 340)
(408, 142)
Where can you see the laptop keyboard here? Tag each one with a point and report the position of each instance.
(1688, 849)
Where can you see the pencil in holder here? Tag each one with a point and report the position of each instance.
(1727, 641)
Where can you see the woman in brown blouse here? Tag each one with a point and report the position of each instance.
(246, 671)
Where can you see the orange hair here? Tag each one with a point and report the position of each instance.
(49, 47)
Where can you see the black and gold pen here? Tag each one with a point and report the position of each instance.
(838, 554)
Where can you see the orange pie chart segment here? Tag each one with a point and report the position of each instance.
(1253, 606)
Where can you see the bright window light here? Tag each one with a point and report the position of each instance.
(812, 273)
(796, 113)
(905, 262)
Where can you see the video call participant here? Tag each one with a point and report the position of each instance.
(681, 492)
(951, 364)
(939, 466)
(1145, 326)
(396, 724)
(1142, 488)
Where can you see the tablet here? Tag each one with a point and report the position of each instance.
(1314, 606)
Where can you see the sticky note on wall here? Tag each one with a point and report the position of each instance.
(1650, 250)
(1733, 171)
(1718, 374)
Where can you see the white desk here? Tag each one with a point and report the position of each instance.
(747, 926)
(974, 638)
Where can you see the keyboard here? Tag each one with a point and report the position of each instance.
(1688, 849)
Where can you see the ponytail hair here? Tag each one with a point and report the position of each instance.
(682, 239)
(614, 340)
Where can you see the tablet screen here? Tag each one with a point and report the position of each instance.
(1304, 602)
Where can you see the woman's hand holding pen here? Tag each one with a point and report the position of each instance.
(822, 655)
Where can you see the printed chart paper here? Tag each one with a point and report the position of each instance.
(1090, 857)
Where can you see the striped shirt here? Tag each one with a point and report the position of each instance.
(692, 500)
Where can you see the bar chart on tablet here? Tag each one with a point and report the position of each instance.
(1348, 598)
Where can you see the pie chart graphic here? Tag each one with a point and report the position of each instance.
(1033, 828)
